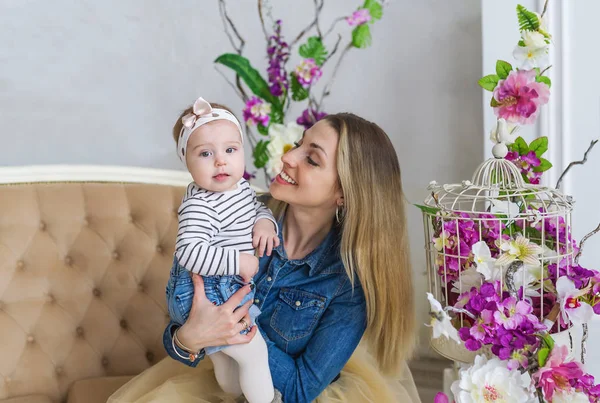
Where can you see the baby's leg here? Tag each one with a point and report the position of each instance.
(255, 375)
(226, 372)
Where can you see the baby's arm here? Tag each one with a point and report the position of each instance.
(265, 231)
(198, 224)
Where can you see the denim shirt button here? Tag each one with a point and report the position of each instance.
(256, 301)
(298, 303)
(269, 279)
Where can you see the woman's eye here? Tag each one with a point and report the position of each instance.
(230, 150)
(205, 154)
(296, 144)
(311, 161)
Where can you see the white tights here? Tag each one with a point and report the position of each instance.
(244, 368)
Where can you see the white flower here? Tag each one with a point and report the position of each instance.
(572, 309)
(281, 140)
(535, 51)
(440, 321)
(503, 132)
(561, 396)
(467, 279)
(441, 242)
(519, 249)
(505, 207)
(483, 259)
(527, 276)
(491, 381)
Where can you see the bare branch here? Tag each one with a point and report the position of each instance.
(545, 8)
(585, 238)
(235, 88)
(262, 20)
(318, 8)
(542, 73)
(327, 88)
(583, 161)
(333, 24)
(227, 22)
(311, 25)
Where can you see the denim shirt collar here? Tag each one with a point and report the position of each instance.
(315, 258)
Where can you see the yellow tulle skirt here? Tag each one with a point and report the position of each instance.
(171, 381)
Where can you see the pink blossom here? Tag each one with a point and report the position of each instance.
(359, 17)
(308, 72)
(557, 373)
(519, 96)
(257, 111)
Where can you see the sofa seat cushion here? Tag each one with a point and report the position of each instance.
(28, 399)
(95, 390)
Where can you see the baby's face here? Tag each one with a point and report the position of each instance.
(215, 156)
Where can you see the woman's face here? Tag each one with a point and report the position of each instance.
(309, 177)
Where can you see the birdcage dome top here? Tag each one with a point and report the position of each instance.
(497, 185)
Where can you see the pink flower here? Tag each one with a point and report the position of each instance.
(257, 111)
(557, 373)
(359, 17)
(308, 72)
(519, 96)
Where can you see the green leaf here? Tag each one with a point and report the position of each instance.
(299, 93)
(503, 68)
(375, 10)
(314, 49)
(261, 156)
(264, 130)
(528, 21)
(520, 146)
(489, 82)
(548, 341)
(543, 356)
(361, 36)
(427, 209)
(521, 43)
(539, 145)
(544, 79)
(544, 166)
(250, 75)
(494, 103)
(277, 115)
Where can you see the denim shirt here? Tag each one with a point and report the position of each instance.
(312, 318)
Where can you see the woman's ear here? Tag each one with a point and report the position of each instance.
(340, 201)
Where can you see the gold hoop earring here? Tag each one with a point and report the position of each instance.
(339, 216)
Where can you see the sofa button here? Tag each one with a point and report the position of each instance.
(115, 255)
(123, 324)
(97, 293)
(50, 298)
(131, 218)
(30, 339)
(68, 260)
(104, 362)
(20, 265)
(150, 356)
(79, 331)
(86, 221)
(159, 249)
(59, 371)
(141, 287)
(42, 226)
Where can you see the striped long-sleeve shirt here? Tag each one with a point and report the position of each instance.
(214, 227)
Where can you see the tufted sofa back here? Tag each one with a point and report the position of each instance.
(83, 269)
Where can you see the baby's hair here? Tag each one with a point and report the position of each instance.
(179, 124)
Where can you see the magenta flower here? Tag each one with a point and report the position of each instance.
(278, 53)
(519, 96)
(308, 72)
(359, 17)
(526, 163)
(557, 374)
(249, 175)
(257, 111)
(440, 397)
(309, 117)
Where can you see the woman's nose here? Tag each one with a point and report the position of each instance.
(290, 158)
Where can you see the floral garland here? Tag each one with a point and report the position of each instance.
(498, 310)
(266, 109)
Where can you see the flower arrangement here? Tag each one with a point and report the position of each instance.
(501, 256)
(266, 113)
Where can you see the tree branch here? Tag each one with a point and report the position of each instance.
(583, 161)
(585, 238)
(227, 22)
(262, 20)
(315, 22)
(333, 24)
(235, 88)
(545, 8)
(327, 88)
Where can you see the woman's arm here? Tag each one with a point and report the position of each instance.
(209, 325)
(336, 337)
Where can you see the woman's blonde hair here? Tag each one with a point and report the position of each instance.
(179, 124)
(374, 240)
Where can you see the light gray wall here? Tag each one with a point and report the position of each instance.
(101, 82)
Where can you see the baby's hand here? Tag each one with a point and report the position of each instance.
(264, 236)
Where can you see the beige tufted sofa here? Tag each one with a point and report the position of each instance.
(85, 254)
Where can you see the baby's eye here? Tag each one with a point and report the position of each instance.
(230, 150)
(205, 154)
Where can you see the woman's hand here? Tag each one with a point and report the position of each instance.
(210, 325)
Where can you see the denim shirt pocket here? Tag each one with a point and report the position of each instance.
(296, 313)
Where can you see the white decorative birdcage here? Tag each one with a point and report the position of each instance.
(495, 211)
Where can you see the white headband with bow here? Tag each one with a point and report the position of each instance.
(202, 113)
